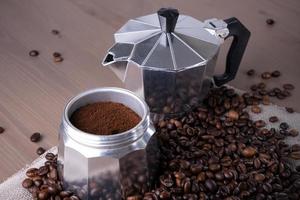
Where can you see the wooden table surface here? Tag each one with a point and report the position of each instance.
(33, 91)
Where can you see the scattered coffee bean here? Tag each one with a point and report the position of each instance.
(27, 183)
(256, 109)
(276, 73)
(293, 132)
(2, 130)
(284, 126)
(40, 151)
(233, 115)
(270, 21)
(35, 137)
(56, 54)
(250, 72)
(266, 75)
(58, 59)
(33, 53)
(289, 110)
(288, 86)
(55, 32)
(249, 152)
(273, 119)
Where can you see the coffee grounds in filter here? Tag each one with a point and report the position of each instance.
(104, 118)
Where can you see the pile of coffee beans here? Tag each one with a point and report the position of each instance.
(218, 152)
(213, 152)
(43, 183)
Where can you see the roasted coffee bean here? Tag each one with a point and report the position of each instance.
(32, 172)
(50, 156)
(2, 130)
(270, 21)
(284, 126)
(250, 72)
(266, 75)
(249, 152)
(40, 151)
(276, 73)
(55, 32)
(293, 132)
(259, 178)
(27, 183)
(273, 119)
(259, 123)
(58, 59)
(256, 109)
(43, 170)
(43, 195)
(35, 137)
(232, 114)
(33, 53)
(211, 185)
(56, 54)
(288, 86)
(289, 110)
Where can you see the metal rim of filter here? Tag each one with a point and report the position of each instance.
(107, 141)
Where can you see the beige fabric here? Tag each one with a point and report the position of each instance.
(11, 189)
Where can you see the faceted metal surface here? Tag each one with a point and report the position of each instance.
(103, 167)
(193, 43)
(167, 69)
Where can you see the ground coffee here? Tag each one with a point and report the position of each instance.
(104, 118)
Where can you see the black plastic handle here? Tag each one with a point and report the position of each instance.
(240, 36)
(168, 18)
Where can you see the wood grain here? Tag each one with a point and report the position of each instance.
(33, 91)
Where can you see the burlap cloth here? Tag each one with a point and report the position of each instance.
(11, 189)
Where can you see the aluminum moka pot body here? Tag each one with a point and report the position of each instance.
(169, 59)
(108, 167)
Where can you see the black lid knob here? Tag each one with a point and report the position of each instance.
(168, 19)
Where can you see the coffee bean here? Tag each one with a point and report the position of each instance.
(289, 110)
(266, 75)
(42, 195)
(288, 86)
(33, 53)
(35, 137)
(232, 114)
(273, 119)
(257, 163)
(1, 130)
(250, 72)
(284, 126)
(211, 185)
(55, 32)
(40, 151)
(249, 152)
(293, 132)
(276, 73)
(43, 170)
(58, 59)
(32, 172)
(27, 183)
(259, 123)
(256, 109)
(295, 155)
(56, 54)
(270, 21)
(259, 177)
(50, 156)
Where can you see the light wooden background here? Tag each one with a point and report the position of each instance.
(33, 91)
